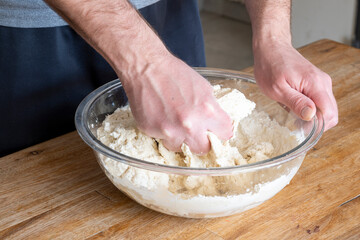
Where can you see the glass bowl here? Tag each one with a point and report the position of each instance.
(247, 186)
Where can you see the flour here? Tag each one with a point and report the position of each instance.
(256, 137)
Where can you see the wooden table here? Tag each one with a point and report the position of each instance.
(57, 190)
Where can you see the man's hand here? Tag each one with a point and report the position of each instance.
(172, 102)
(280, 71)
(286, 76)
(169, 100)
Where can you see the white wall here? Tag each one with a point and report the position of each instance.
(316, 19)
(312, 20)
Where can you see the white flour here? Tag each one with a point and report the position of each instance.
(256, 138)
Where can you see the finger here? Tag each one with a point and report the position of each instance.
(326, 102)
(173, 144)
(198, 143)
(321, 93)
(221, 125)
(300, 104)
(218, 121)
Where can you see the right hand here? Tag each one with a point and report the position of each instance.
(172, 102)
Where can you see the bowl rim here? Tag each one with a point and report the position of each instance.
(87, 136)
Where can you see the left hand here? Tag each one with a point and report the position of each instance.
(284, 75)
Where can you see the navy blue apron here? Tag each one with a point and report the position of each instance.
(46, 72)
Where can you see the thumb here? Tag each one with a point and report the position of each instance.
(300, 104)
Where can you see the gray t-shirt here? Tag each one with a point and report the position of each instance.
(36, 14)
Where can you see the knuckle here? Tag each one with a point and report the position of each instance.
(331, 123)
(328, 81)
(187, 124)
(209, 108)
(331, 116)
(185, 121)
(331, 113)
(165, 129)
(166, 132)
(334, 119)
(184, 116)
(312, 73)
(327, 78)
(321, 80)
(311, 76)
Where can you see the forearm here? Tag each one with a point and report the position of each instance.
(168, 99)
(270, 21)
(116, 30)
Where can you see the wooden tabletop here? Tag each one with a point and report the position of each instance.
(56, 190)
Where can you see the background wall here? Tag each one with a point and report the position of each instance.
(316, 19)
(311, 19)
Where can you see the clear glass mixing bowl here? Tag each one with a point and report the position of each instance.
(246, 186)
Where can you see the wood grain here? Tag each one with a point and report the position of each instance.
(56, 190)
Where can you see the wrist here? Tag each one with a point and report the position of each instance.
(270, 36)
(140, 66)
(270, 21)
(138, 62)
(138, 56)
(268, 40)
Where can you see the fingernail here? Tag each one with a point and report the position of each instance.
(307, 113)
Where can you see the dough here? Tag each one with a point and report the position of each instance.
(256, 138)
